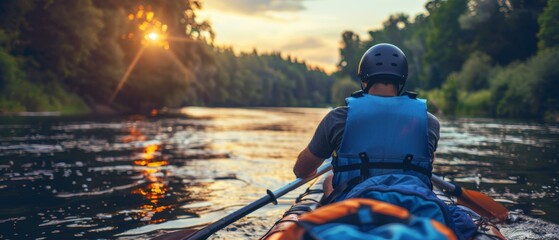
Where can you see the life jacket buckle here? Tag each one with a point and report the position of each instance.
(407, 162)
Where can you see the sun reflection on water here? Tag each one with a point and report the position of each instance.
(156, 189)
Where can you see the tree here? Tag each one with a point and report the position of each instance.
(60, 35)
(446, 48)
(505, 30)
(350, 54)
(549, 26)
(342, 89)
(475, 72)
(52, 51)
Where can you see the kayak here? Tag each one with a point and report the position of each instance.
(310, 200)
(305, 203)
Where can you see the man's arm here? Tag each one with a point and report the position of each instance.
(434, 133)
(324, 141)
(306, 164)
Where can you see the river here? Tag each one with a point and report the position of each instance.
(135, 177)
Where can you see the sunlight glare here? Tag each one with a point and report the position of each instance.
(153, 36)
(126, 74)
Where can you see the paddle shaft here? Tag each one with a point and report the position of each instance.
(439, 182)
(231, 218)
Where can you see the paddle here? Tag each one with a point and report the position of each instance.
(269, 198)
(479, 202)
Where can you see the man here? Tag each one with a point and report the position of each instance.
(382, 143)
(383, 71)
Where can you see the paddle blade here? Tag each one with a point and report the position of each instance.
(483, 204)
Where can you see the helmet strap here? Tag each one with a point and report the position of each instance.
(400, 89)
(369, 85)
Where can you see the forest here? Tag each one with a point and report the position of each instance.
(71, 56)
(491, 58)
(494, 58)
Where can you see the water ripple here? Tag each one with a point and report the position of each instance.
(136, 177)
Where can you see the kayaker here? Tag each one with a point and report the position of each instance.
(382, 143)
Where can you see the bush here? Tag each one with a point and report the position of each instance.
(475, 72)
(528, 89)
(435, 101)
(18, 94)
(342, 89)
(474, 103)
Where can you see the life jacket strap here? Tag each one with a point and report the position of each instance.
(406, 165)
(342, 188)
(364, 169)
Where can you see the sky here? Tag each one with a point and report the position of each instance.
(306, 29)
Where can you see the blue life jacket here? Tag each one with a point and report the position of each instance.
(383, 135)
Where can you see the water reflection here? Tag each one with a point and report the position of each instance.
(156, 188)
(65, 178)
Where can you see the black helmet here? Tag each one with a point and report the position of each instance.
(383, 61)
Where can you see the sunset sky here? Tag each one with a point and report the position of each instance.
(308, 29)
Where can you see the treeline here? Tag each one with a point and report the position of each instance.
(72, 56)
(254, 79)
(468, 57)
(475, 57)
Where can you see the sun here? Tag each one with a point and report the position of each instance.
(153, 36)
(156, 38)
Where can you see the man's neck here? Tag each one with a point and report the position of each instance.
(384, 90)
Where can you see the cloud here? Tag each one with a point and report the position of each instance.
(256, 7)
(304, 44)
(316, 51)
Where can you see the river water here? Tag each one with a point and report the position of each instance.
(136, 177)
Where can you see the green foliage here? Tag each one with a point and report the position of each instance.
(268, 80)
(470, 57)
(505, 30)
(18, 94)
(70, 34)
(350, 54)
(98, 75)
(342, 89)
(451, 101)
(511, 91)
(450, 95)
(549, 25)
(435, 100)
(474, 103)
(528, 89)
(446, 48)
(523, 89)
(10, 73)
(476, 57)
(49, 47)
(475, 72)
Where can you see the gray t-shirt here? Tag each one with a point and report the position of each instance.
(329, 133)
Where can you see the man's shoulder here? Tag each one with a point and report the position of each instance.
(335, 117)
(433, 123)
(338, 113)
(432, 118)
(340, 110)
